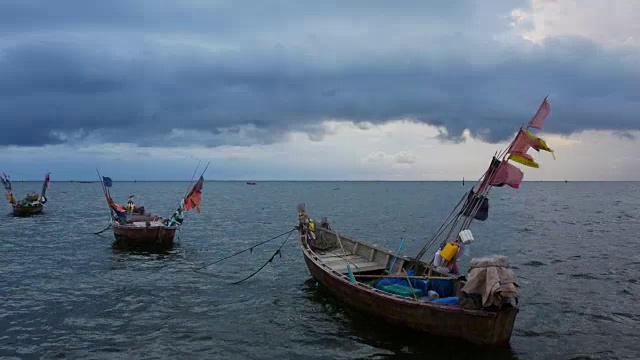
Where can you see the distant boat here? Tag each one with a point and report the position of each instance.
(32, 204)
(251, 182)
(86, 182)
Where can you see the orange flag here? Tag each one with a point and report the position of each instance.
(194, 198)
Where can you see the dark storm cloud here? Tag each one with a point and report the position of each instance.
(131, 71)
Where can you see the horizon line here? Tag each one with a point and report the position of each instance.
(293, 180)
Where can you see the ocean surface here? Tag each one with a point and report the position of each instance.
(67, 293)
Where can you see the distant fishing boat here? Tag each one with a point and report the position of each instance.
(430, 297)
(32, 204)
(251, 182)
(86, 182)
(133, 224)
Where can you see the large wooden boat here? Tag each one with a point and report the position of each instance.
(431, 297)
(32, 204)
(369, 265)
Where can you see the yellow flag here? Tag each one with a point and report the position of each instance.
(538, 144)
(528, 161)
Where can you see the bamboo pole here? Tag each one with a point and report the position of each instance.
(410, 286)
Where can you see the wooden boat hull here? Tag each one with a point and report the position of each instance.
(144, 234)
(485, 328)
(23, 211)
(141, 217)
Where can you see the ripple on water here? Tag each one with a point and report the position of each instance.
(68, 294)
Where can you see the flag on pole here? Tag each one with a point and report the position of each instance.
(194, 198)
(537, 122)
(107, 181)
(507, 174)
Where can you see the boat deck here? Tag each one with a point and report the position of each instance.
(144, 223)
(337, 261)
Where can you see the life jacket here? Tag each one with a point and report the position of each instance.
(312, 225)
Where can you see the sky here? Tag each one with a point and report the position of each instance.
(308, 90)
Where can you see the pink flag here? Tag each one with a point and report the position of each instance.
(507, 174)
(537, 121)
(521, 144)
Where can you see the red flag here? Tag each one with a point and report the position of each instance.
(537, 122)
(117, 208)
(194, 198)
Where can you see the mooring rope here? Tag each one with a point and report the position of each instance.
(101, 231)
(278, 252)
(289, 232)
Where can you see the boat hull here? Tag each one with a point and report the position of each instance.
(485, 328)
(23, 211)
(154, 234)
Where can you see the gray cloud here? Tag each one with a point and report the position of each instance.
(134, 71)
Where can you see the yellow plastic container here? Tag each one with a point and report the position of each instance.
(449, 251)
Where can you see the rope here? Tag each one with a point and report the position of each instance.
(278, 252)
(249, 248)
(103, 230)
(444, 225)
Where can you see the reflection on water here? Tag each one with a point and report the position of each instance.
(402, 342)
(129, 247)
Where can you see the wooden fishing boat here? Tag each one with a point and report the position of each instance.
(151, 231)
(430, 297)
(27, 209)
(32, 204)
(251, 182)
(137, 226)
(369, 264)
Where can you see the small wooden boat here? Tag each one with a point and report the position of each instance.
(137, 226)
(32, 204)
(27, 209)
(431, 297)
(153, 230)
(251, 182)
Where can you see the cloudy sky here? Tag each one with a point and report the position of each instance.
(325, 90)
